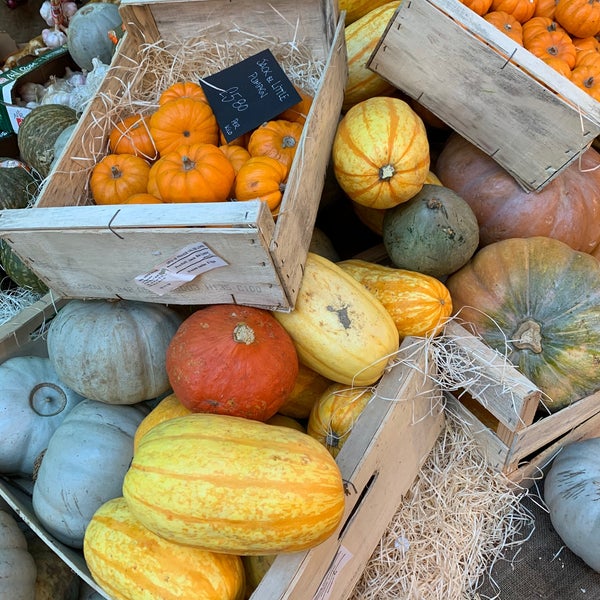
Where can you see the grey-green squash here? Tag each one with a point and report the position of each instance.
(18, 271)
(435, 232)
(88, 33)
(38, 134)
(18, 184)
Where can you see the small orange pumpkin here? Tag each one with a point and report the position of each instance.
(587, 77)
(537, 26)
(277, 139)
(183, 121)
(142, 198)
(237, 156)
(581, 18)
(261, 178)
(194, 173)
(131, 135)
(521, 10)
(182, 89)
(552, 43)
(117, 177)
(299, 112)
(479, 7)
(507, 24)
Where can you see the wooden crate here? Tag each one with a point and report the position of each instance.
(489, 89)
(503, 409)
(86, 251)
(379, 462)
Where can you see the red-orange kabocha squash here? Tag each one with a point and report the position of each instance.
(233, 360)
(567, 209)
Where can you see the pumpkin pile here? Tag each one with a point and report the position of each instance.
(178, 154)
(562, 33)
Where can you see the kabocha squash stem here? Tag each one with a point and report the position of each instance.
(528, 336)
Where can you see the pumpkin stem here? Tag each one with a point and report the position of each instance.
(288, 141)
(243, 334)
(188, 163)
(528, 336)
(589, 82)
(47, 399)
(115, 172)
(386, 172)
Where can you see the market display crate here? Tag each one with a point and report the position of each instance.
(86, 251)
(504, 410)
(531, 120)
(379, 461)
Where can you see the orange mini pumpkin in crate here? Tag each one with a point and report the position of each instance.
(131, 135)
(182, 89)
(262, 178)
(195, 173)
(117, 177)
(277, 139)
(233, 360)
(183, 121)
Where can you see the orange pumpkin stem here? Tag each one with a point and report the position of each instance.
(115, 172)
(243, 334)
(288, 141)
(188, 163)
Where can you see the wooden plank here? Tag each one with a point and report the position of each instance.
(380, 460)
(492, 380)
(488, 88)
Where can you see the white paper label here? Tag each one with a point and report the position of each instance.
(342, 556)
(186, 265)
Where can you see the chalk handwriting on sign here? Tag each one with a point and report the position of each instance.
(249, 93)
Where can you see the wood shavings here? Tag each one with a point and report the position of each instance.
(14, 300)
(457, 519)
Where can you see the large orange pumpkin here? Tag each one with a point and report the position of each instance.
(380, 152)
(233, 360)
(130, 562)
(568, 208)
(183, 121)
(233, 485)
(194, 173)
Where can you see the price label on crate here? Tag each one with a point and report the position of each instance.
(249, 93)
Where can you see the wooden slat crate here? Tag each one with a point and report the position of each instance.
(379, 461)
(86, 251)
(489, 89)
(503, 409)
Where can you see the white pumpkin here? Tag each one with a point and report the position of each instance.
(113, 351)
(17, 567)
(33, 403)
(84, 466)
(572, 494)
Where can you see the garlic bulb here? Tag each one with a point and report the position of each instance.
(54, 38)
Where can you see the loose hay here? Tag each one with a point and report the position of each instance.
(456, 521)
(14, 300)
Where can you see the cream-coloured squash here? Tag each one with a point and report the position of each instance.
(341, 330)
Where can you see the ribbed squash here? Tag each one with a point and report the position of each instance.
(38, 133)
(18, 185)
(380, 152)
(362, 37)
(340, 329)
(419, 304)
(355, 9)
(168, 408)
(238, 486)
(308, 388)
(130, 562)
(538, 301)
(335, 413)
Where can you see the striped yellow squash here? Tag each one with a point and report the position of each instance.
(419, 304)
(362, 37)
(129, 562)
(355, 9)
(234, 485)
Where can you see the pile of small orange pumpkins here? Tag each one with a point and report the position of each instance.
(563, 33)
(178, 154)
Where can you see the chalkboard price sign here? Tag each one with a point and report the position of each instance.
(249, 93)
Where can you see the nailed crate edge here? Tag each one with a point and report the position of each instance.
(488, 88)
